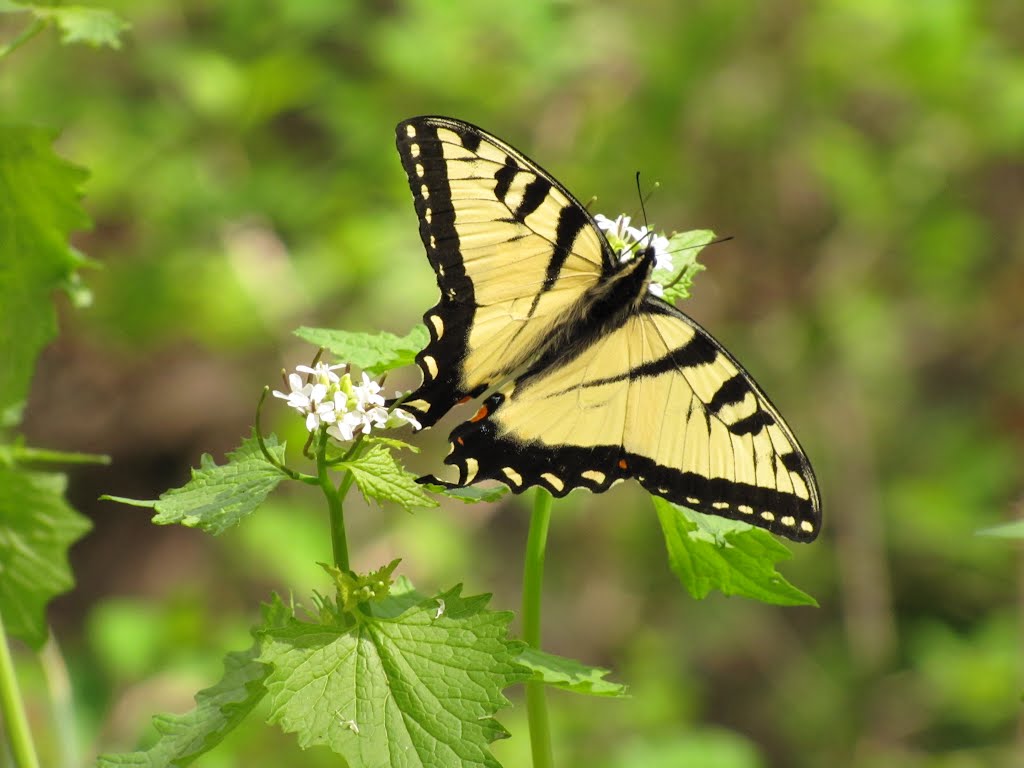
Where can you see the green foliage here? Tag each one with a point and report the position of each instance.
(219, 709)
(40, 209)
(36, 528)
(685, 247)
(219, 497)
(708, 552)
(864, 156)
(78, 24)
(1007, 531)
(568, 674)
(471, 494)
(374, 353)
(419, 688)
(380, 478)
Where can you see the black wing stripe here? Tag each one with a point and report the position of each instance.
(753, 423)
(534, 195)
(505, 176)
(731, 392)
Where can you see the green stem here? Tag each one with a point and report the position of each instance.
(24, 454)
(335, 497)
(27, 34)
(59, 686)
(533, 576)
(15, 722)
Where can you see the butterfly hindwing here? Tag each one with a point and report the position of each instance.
(591, 379)
(657, 399)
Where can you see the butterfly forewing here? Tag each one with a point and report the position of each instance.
(512, 251)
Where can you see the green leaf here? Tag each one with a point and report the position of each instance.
(417, 689)
(470, 494)
(80, 24)
(218, 710)
(708, 552)
(568, 674)
(36, 528)
(684, 247)
(380, 478)
(372, 352)
(1014, 530)
(390, 442)
(39, 209)
(219, 496)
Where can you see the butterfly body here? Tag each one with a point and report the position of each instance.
(588, 378)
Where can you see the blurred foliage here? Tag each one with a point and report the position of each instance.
(867, 157)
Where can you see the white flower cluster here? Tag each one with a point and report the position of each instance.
(324, 397)
(627, 240)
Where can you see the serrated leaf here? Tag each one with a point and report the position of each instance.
(374, 353)
(36, 528)
(390, 442)
(220, 496)
(1014, 530)
(708, 552)
(568, 674)
(40, 207)
(80, 24)
(414, 690)
(470, 494)
(685, 247)
(379, 477)
(219, 709)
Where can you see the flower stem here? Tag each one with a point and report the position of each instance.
(533, 576)
(14, 721)
(27, 34)
(335, 497)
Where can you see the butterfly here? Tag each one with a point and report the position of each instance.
(588, 378)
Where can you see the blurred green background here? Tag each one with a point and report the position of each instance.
(866, 155)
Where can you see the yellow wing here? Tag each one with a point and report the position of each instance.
(594, 380)
(657, 399)
(513, 252)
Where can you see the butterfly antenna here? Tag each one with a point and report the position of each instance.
(640, 195)
(704, 245)
(682, 272)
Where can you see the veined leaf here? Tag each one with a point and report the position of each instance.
(219, 496)
(708, 552)
(40, 208)
(417, 689)
(36, 528)
(374, 353)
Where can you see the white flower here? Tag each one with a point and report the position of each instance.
(322, 372)
(657, 289)
(617, 228)
(345, 408)
(399, 417)
(306, 398)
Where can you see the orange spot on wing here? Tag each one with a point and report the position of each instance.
(622, 464)
(481, 414)
(466, 399)
(459, 441)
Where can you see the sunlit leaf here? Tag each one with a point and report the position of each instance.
(374, 353)
(417, 689)
(36, 528)
(568, 674)
(219, 496)
(379, 477)
(708, 552)
(39, 209)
